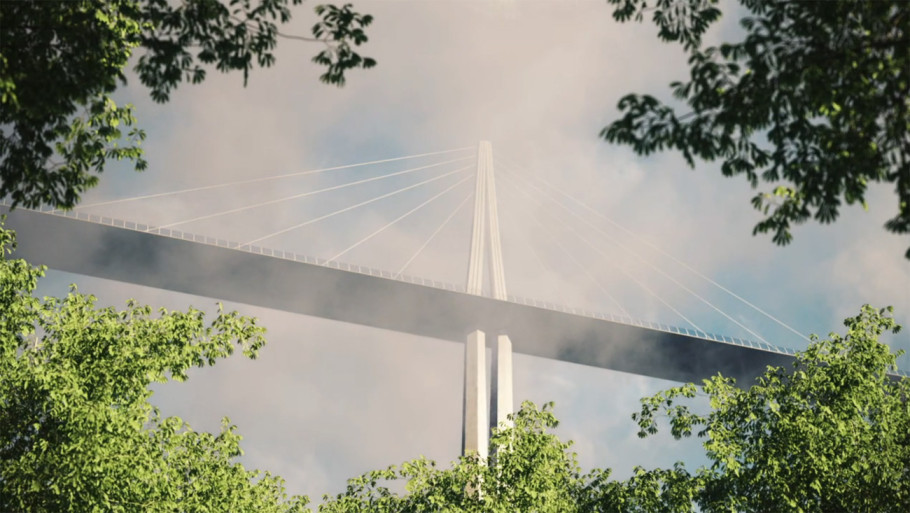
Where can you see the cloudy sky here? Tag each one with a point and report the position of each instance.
(326, 400)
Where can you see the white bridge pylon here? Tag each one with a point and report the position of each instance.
(476, 424)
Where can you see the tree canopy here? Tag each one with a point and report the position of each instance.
(814, 101)
(532, 470)
(830, 434)
(60, 63)
(77, 432)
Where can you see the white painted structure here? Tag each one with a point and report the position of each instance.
(476, 424)
(501, 404)
(475, 428)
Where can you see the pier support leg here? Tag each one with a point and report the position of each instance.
(475, 428)
(501, 405)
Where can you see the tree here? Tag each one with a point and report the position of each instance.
(76, 430)
(814, 101)
(532, 471)
(60, 62)
(831, 434)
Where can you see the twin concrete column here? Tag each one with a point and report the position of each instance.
(477, 423)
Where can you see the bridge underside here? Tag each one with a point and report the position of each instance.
(238, 276)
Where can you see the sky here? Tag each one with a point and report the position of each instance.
(327, 401)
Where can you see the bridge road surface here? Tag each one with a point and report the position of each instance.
(226, 274)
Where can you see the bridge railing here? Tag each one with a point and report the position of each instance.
(652, 325)
(360, 269)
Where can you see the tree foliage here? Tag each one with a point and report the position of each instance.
(531, 471)
(60, 62)
(831, 434)
(76, 430)
(814, 100)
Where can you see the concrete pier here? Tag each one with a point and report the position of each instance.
(501, 404)
(475, 424)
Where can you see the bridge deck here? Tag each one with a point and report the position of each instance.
(134, 256)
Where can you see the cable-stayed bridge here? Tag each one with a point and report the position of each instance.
(259, 269)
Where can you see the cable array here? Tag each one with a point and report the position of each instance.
(263, 179)
(689, 268)
(553, 239)
(545, 204)
(399, 218)
(352, 207)
(311, 193)
(545, 190)
(357, 180)
(434, 234)
(653, 267)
